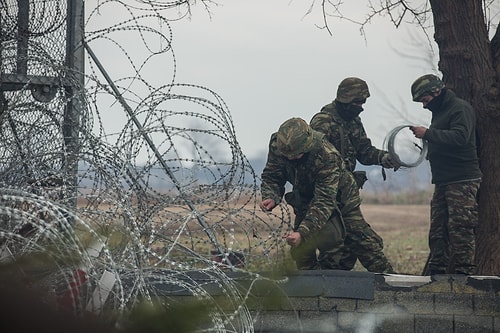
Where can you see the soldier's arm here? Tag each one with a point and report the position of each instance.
(461, 125)
(323, 204)
(366, 152)
(273, 176)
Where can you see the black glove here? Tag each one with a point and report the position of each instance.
(360, 178)
(389, 162)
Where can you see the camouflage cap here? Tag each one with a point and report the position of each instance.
(352, 89)
(294, 137)
(426, 85)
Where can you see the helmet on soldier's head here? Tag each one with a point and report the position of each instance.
(352, 89)
(426, 85)
(294, 137)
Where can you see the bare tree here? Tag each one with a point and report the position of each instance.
(470, 64)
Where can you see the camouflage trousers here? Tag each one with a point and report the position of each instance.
(452, 234)
(363, 243)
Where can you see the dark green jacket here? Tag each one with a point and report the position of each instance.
(319, 178)
(452, 141)
(349, 137)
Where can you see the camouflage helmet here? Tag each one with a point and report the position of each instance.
(294, 137)
(352, 89)
(426, 85)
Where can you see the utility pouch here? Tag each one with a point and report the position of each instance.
(339, 228)
(360, 178)
(333, 233)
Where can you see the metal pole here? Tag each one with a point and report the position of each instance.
(23, 8)
(73, 109)
(149, 141)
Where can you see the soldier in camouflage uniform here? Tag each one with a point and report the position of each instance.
(325, 197)
(341, 124)
(455, 172)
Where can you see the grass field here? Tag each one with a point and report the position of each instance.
(404, 229)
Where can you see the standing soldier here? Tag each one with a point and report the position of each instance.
(341, 124)
(325, 197)
(455, 173)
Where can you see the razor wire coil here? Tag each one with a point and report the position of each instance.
(398, 145)
(131, 218)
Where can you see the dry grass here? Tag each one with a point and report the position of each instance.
(404, 229)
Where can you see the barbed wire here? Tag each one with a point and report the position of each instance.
(404, 147)
(158, 186)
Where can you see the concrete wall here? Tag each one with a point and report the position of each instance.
(340, 301)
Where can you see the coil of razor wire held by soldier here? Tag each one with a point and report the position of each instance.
(404, 148)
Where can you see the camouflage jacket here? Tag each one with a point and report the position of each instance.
(349, 137)
(320, 181)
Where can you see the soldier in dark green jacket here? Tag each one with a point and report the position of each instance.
(342, 126)
(325, 196)
(456, 174)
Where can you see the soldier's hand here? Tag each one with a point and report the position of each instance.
(418, 131)
(293, 238)
(267, 205)
(389, 162)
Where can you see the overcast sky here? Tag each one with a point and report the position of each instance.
(270, 62)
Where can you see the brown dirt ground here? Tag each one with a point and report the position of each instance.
(404, 229)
